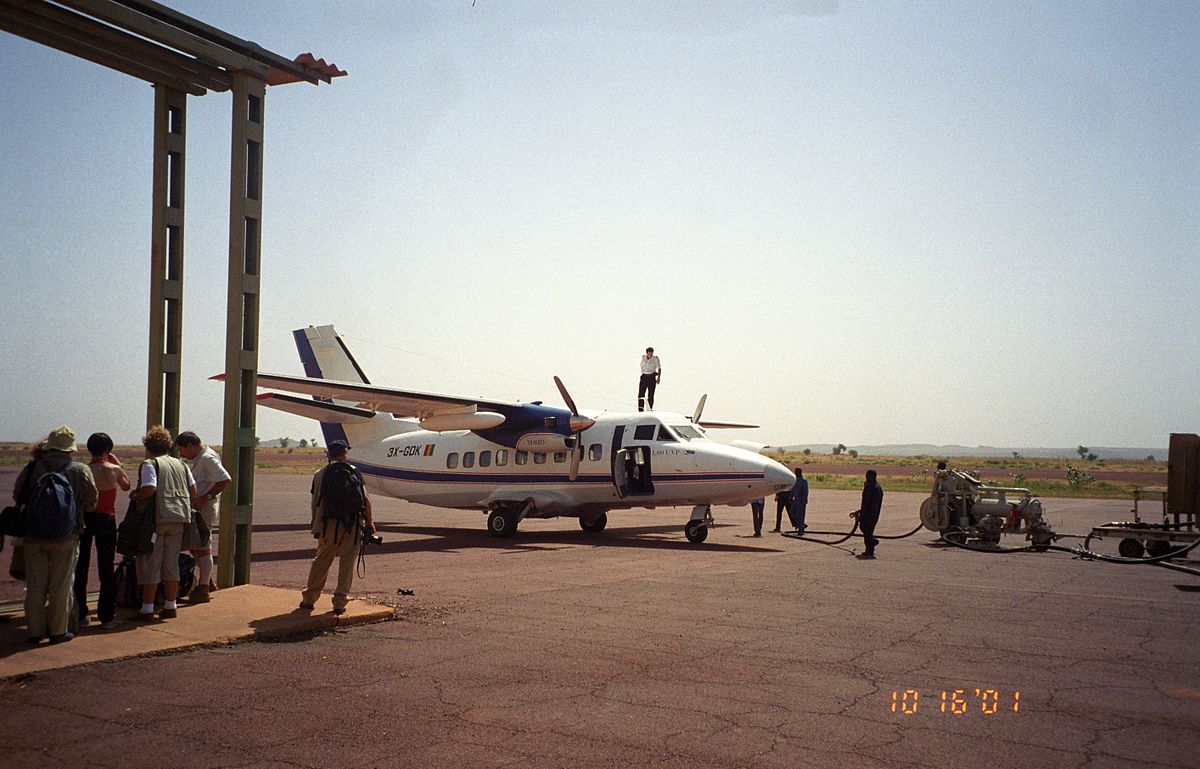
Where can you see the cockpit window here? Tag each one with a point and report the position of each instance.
(644, 432)
(688, 432)
(665, 435)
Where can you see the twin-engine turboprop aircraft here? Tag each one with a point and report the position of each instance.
(518, 460)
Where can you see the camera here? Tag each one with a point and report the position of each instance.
(373, 539)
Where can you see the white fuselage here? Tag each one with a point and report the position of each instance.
(676, 465)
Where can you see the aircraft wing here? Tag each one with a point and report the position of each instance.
(709, 425)
(318, 410)
(401, 403)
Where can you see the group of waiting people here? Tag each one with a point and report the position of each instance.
(186, 507)
(795, 502)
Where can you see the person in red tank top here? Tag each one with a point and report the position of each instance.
(101, 526)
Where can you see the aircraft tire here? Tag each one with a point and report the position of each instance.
(696, 532)
(594, 525)
(502, 523)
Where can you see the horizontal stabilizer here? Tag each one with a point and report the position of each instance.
(331, 413)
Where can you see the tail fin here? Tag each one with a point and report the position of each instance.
(325, 356)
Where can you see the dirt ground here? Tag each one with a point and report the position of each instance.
(634, 648)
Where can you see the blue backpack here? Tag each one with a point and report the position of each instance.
(50, 512)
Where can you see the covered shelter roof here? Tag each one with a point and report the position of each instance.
(150, 41)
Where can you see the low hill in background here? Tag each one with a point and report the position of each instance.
(931, 450)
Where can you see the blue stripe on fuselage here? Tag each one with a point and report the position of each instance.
(424, 476)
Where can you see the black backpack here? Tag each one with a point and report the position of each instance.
(129, 592)
(342, 500)
(50, 512)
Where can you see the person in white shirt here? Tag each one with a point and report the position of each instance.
(211, 479)
(651, 376)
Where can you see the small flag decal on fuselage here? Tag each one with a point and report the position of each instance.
(429, 449)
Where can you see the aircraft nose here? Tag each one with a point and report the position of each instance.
(779, 476)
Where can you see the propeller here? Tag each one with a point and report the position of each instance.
(699, 409)
(578, 425)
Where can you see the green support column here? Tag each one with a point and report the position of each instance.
(166, 258)
(241, 341)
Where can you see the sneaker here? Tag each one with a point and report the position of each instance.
(306, 606)
(110, 625)
(776, 531)
(144, 616)
(212, 585)
(199, 595)
(84, 620)
(758, 533)
(62, 639)
(167, 613)
(865, 556)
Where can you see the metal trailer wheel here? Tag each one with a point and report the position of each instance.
(594, 525)
(502, 523)
(1131, 548)
(696, 532)
(1157, 547)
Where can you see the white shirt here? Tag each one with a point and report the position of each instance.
(209, 472)
(650, 365)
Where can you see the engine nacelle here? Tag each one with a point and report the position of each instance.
(546, 443)
(464, 420)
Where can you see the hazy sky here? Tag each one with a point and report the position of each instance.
(857, 222)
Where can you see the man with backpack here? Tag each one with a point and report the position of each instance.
(341, 517)
(59, 492)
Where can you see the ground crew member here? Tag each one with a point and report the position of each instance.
(868, 513)
(782, 500)
(798, 504)
(756, 511)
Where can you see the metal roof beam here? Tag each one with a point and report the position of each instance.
(223, 39)
(121, 45)
(18, 23)
(168, 34)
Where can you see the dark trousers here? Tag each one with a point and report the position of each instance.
(646, 387)
(756, 510)
(103, 529)
(867, 522)
(797, 513)
(781, 503)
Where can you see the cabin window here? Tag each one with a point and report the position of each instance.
(521, 457)
(560, 456)
(452, 460)
(501, 457)
(485, 458)
(595, 452)
(469, 459)
(665, 436)
(644, 433)
(539, 459)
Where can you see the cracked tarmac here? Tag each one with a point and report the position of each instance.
(633, 648)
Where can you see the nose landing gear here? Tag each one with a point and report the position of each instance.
(696, 530)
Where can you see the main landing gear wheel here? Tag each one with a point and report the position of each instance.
(1131, 548)
(696, 532)
(594, 525)
(502, 523)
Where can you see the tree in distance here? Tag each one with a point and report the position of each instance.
(304, 443)
(838, 449)
(285, 442)
(854, 453)
(1082, 451)
(808, 452)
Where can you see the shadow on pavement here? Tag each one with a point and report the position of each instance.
(442, 539)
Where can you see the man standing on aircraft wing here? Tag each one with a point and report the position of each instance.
(651, 376)
(341, 516)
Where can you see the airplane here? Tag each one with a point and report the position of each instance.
(518, 460)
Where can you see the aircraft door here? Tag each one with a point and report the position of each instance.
(630, 468)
